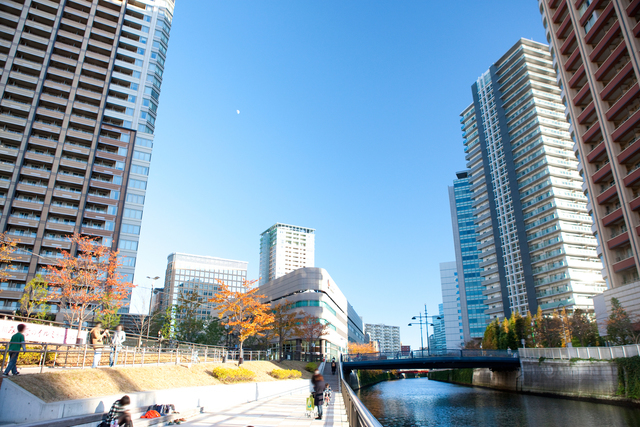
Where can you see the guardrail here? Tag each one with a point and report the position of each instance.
(423, 354)
(357, 414)
(598, 353)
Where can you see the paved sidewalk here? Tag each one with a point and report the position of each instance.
(280, 411)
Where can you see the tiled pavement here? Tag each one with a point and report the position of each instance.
(280, 411)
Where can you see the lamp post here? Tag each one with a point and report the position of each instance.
(153, 281)
(424, 320)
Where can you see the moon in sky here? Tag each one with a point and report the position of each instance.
(238, 111)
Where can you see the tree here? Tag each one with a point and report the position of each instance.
(619, 330)
(188, 325)
(285, 325)
(491, 335)
(245, 314)
(88, 282)
(213, 332)
(7, 247)
(357, 348)
(312, 328)
(583, 330)
(35, 298)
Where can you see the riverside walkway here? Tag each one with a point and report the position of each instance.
(280, 411)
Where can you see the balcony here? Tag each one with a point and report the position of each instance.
(581, 95)
(70, 179)
(43, 142)
(593, 131)
(608, 64)
(604, 17)
(69, 195)
(18, 90)
(13, 135)
(39, 157)
(625, 264)
(601, 173)
(624, 100)
(616, 81)
(24, 222)
(619, 240)
(607, 194)
(626, 126)
(596, 153)
(605, 41)
(582, 118)
(614, 216)
(80, 134)
(57, 226)
(54, 99)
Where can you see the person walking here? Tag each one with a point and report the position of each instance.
(116, 345)
(96, 336)
(334, 366)
(318, 392)
(17, 343)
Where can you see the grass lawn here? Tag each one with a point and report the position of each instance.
(80, 384)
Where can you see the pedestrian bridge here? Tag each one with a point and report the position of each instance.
(436, 359)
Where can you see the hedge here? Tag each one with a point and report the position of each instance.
(233, 375)
(311, 366)
(285, 374)
(31, 358)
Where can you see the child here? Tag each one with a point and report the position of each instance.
(327, 394)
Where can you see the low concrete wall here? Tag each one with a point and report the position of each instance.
(19, 406)
(582, 378)
(501, 380)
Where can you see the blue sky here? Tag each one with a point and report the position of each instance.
(348, 124)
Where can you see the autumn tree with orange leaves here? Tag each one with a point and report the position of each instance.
(357, 348)
(7, 247)
(312, 328)
(245, 314)
(88, 283)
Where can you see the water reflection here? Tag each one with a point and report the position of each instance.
(421, 403)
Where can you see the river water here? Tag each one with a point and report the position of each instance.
(420, 403)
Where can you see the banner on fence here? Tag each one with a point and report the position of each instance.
(41, 333)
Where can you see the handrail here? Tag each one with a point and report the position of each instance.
(429, 353)
(357, 414)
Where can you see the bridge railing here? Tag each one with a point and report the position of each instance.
(421, 354)
(598, 353)
(357, 414)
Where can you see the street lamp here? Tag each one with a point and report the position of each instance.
(424, 320)
(153, 281)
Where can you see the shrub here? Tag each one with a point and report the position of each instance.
(233, 375)
(31, 358)
(285, 374)
(311, 366)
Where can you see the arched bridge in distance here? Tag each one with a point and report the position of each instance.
(505, 360)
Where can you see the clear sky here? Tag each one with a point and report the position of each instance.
(349, 124)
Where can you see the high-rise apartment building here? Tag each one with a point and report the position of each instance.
(387, 336)
(536, 245)
(79, 88)
(474, 320)
(285, 248)
(594, 48)
(454, 335)
(187, 274)
(438, 340)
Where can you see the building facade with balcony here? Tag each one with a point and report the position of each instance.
(79, 88)
(537, 248)
(474, 320)
(285, 248)
(451, 304)
(594, 48)
(387, 336)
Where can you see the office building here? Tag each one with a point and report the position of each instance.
(195, 273)
(387, 336)
(536, 245)
(79, 89)
(285, 248)
(313, 291)
(454, 335)
(594, 49)
(474, 320)
(438, 340)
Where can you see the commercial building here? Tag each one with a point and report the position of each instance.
(536, 245)
(79, 89)
(313, 291)
(438, 340)
(387, 336)
(474, 320)
(201, 274)
(454, 336)
(594, 49)
(285, 248)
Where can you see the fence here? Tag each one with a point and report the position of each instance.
(357, 414)
(599, 353)
(420, 354)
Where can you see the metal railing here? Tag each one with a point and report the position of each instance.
(598, 353)
(420, 354)
(357, 414)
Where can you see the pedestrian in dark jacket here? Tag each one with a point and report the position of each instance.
(334, 366)
(318, 392)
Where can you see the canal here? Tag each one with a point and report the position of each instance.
(422, 403)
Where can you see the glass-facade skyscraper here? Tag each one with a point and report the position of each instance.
(451, 305)
(285, 248)
(79, 87)
(474, 320)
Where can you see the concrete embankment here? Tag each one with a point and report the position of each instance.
(364, 378)
(602, 380)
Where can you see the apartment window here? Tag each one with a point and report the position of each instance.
(139, 155)
(144, 128)
(120, 166)
(140, 170)
(128, 245)
(131, 98)
(140, 51)
(128, 261)
(133, 213)
(148, 103)
(143, 40)
(144, 29)
(136, 183)
(160, 47)
(112, 210)
(150, 91)
(131, 229)
(147, 18)
(135, 198)
(144, 142)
